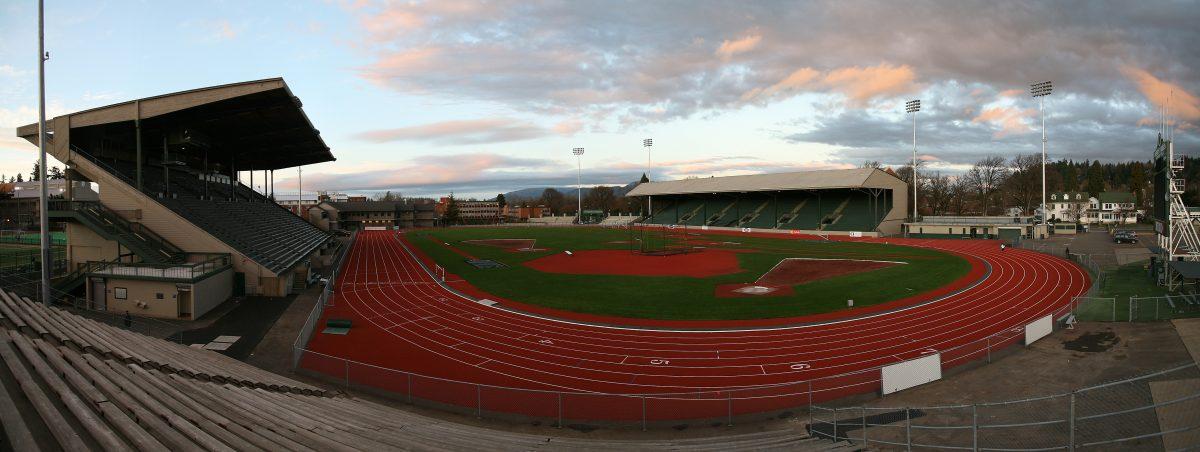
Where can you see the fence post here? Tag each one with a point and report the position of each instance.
(864, 424)
(409, 387)
(478, 402)
(346, 366)
(1071, 425)
(908, 428)
(1114, 301)
(989, 349)
(729, 406)
(810, 407)
(1130, 309)
(559, 410)
(975, 427)
(643, 413)
(835, 435)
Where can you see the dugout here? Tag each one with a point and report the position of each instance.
(175, 172)
(866, 201)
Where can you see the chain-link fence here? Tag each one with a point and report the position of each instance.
(1155, 411)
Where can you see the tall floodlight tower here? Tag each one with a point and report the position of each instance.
(648, 143)
(578, 184)
(1040, 91)
(914, 106)
(44, 196)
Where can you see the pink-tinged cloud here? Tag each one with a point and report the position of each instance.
(862, 84)
(1015, 92)
(859, 85)
(474, 131)
(730, 48)
(1009, 120)
(1179, 102)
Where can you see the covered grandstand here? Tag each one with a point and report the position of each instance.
(168, 172)
(861, 200)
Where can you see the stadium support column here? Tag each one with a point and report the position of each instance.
(299, 187)
(232, 177)
(206, 196)
(166, 168)
(43, 201)
(137, 126)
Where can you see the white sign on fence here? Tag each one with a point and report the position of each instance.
(375, 228)
(855, 233)
(914, 372)
(1038, 329)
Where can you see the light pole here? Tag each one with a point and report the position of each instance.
(578, 184)
(43, 201)
(1040, 91)
(914, 106)
(648, 143)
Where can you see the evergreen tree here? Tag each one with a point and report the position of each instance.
(33, 175)
(500, 199)
(452, 215)
(55, 173)
(1095, 179)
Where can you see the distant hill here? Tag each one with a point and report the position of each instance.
(536, 193)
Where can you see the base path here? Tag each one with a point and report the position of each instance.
(453, 350)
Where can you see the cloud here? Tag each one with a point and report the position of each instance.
(1179, 102)
(7, 70)
(474, 131)
(1010, 120)
(862, 84)
(730, 48)
(224, 31)
(858, 85)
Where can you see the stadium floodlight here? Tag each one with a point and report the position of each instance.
(648, 143)
(578, 184)
(914, 106)
(1040, 90)
(44, 195)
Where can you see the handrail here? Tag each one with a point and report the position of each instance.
(98, 211)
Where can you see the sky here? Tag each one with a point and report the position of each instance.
(479, 98)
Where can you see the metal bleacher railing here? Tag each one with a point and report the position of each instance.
(1154, 411)
(162, 329)
(325, 299)
(639, 408)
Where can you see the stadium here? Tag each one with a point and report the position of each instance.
(171, 299)
(736, 298)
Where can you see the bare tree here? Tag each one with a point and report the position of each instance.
(960, 188)
(985, 179)
(937, 190)
(871, 164)
(1024, 186)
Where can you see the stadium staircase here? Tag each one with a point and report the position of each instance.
(70, 383)
(834, 216)
(143, 242)
(715, 218)
(792, 214)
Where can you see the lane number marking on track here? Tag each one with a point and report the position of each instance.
(929, 351)
(546, 341)
(800, 366)
(659, 362)
(477, 318)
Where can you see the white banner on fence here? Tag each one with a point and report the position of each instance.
(914, 372)
(1038, 329)
(376, 228)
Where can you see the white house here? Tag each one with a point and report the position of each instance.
(1107, 208)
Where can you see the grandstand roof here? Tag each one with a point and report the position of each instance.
(262, 120)
(804, 180)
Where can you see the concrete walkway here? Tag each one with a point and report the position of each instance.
(274, 351)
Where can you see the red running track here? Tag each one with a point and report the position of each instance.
(455, 351)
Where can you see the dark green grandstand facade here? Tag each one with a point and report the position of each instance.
(865, 200)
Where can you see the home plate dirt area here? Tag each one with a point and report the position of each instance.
(794, 271)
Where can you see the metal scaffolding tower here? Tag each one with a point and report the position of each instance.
(1177, 234)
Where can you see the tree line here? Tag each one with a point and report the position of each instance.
(994, 184)
(53, 173)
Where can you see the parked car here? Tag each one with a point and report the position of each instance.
(1125, 237)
